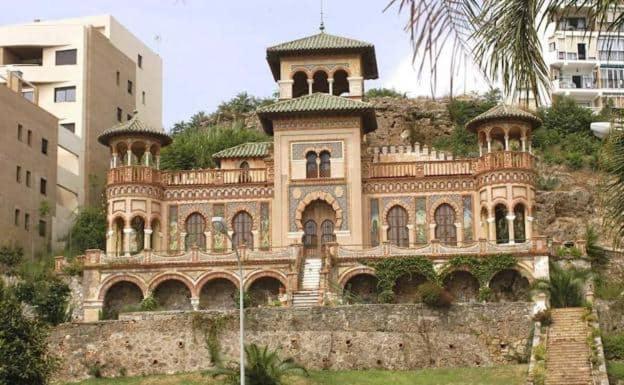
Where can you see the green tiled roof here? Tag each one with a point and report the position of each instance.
(132, 127)
(324, 43)
(245, 150)
(317, 103)
(503, 111)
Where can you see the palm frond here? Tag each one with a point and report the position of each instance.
(612, 161)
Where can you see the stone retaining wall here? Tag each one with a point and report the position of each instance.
(350, 337)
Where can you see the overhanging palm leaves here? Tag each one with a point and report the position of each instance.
(262, 367)
(613, 162)
(500, 36)
(565, 287)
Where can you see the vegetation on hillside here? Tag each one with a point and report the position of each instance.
(384, 92)
(88, 231)
(565, 286)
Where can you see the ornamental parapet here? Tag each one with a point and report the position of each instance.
(500, 160)
(133, 174)
(421, 169)
(214, 177)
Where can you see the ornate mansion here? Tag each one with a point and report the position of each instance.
(309, 209)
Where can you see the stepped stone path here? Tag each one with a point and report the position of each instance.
(567, 361)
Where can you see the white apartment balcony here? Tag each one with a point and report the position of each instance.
(576, 85)
(565, 59)
(39, 74)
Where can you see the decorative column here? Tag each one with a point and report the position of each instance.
(158, 162)
(126, 240)
(528, 227)
(285, 88)
(506, 142)
(384, 233)
(208, 235)
(331, 85)
(411, 230)
(510, 226)
(195, 303)
(459, 230)
(432, 227)
(523, 140)
(491, 228)
(109, 240)
(256, 239)
(148, 157)
(228, 243)
(182, 241)
(489, 143)
(147, 239)
(129, 156)
(115, 159)
(310, 82)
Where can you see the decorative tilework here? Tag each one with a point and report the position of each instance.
(299, 149)
(468, 232)
(305, 190)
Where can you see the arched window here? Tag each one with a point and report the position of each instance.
(311, 166)
(242, 224)
(300, 84)
(137, 240)
(397, 226)
(320, 82)
(445, 230)
(519, 228)
(195, 236)
(502, 228)
(244, 176)
(327, 232)
(341, 83)
(325, 169)
(310, 239)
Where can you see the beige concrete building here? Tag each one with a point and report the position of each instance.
(28, 152)
(91, 73)
(586, 58)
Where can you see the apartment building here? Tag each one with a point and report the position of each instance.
(28, 152)
(586, 58)
(91, 73)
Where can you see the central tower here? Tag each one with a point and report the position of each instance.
(318, 126)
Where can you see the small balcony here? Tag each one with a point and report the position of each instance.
(504, 160)
(214, 177)
(421, 169)
(133, 174)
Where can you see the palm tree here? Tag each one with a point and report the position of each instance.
(612, 161)
(262, 367)
(500, 36)
(565, 286)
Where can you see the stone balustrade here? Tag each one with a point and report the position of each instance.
(504, 160)
(133, 174)
(214, 176)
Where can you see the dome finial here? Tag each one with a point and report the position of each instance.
(322, 26)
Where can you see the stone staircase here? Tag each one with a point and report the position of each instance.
(567, 361)
(310, 282)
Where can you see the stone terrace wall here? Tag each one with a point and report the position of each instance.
(350, 337)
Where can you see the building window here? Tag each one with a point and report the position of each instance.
(18, 174)
(27, 178)
(20, 132)
(71, 127)
(241, 224)
(119, 114)
(327, 232)
(65, 94)
(445, 229)
(310, 238)
(552, 46)
(29, 95)
(66, 57)
(44, 146)
(311, 166)
(26, 221)
(130, 87)
(16, 217)
(29, 137)
(195, 236)
(43, 186)
(118, 77)
(140, 61)
(42, 228)
(143, 97)
(398, 234)
(325, 169)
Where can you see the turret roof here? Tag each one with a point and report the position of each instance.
(132, 127)
(504, 111)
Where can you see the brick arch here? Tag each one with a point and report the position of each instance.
(303, 69)
(122, 277)
(255, 220)
(173, 276)
(390, 205)
(316, 195)
(340, 68)
(501, 201)
(254, 276)
(121, 216)
(521, 268)
(142, 216)
(358, 270)
(521, 201)
(320, 68)
(212, 275)
(487, 208)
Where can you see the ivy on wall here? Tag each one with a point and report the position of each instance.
(390, 270)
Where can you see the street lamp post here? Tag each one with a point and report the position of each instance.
(220, 226)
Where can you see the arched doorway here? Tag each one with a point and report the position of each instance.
(264, 291)
(242, 224)
(173, 294)
(361, 288)
(398, 234)
(502, 227)
(509, 285)
(317, 213)
(121, 296)
(445, 230)
(218, 293)
(462, 285)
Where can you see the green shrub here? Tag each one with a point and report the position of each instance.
(149, 303)
(10, 258)
(434, 295)
(384, 92)
(574, 160)
(246, 299)
(50, 299)
(24, 355)
(564, 251)
(485, 294)
(74, 268)
(386, 296)
(615, 370)
(608, 290)
(613, 345)
(95, 369)
(88, 231)
(540, 352)
(547, 183)
(544, 317)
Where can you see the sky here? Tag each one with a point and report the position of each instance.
(212, 49)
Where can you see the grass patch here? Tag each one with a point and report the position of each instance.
(499, 375)
(615, 369)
